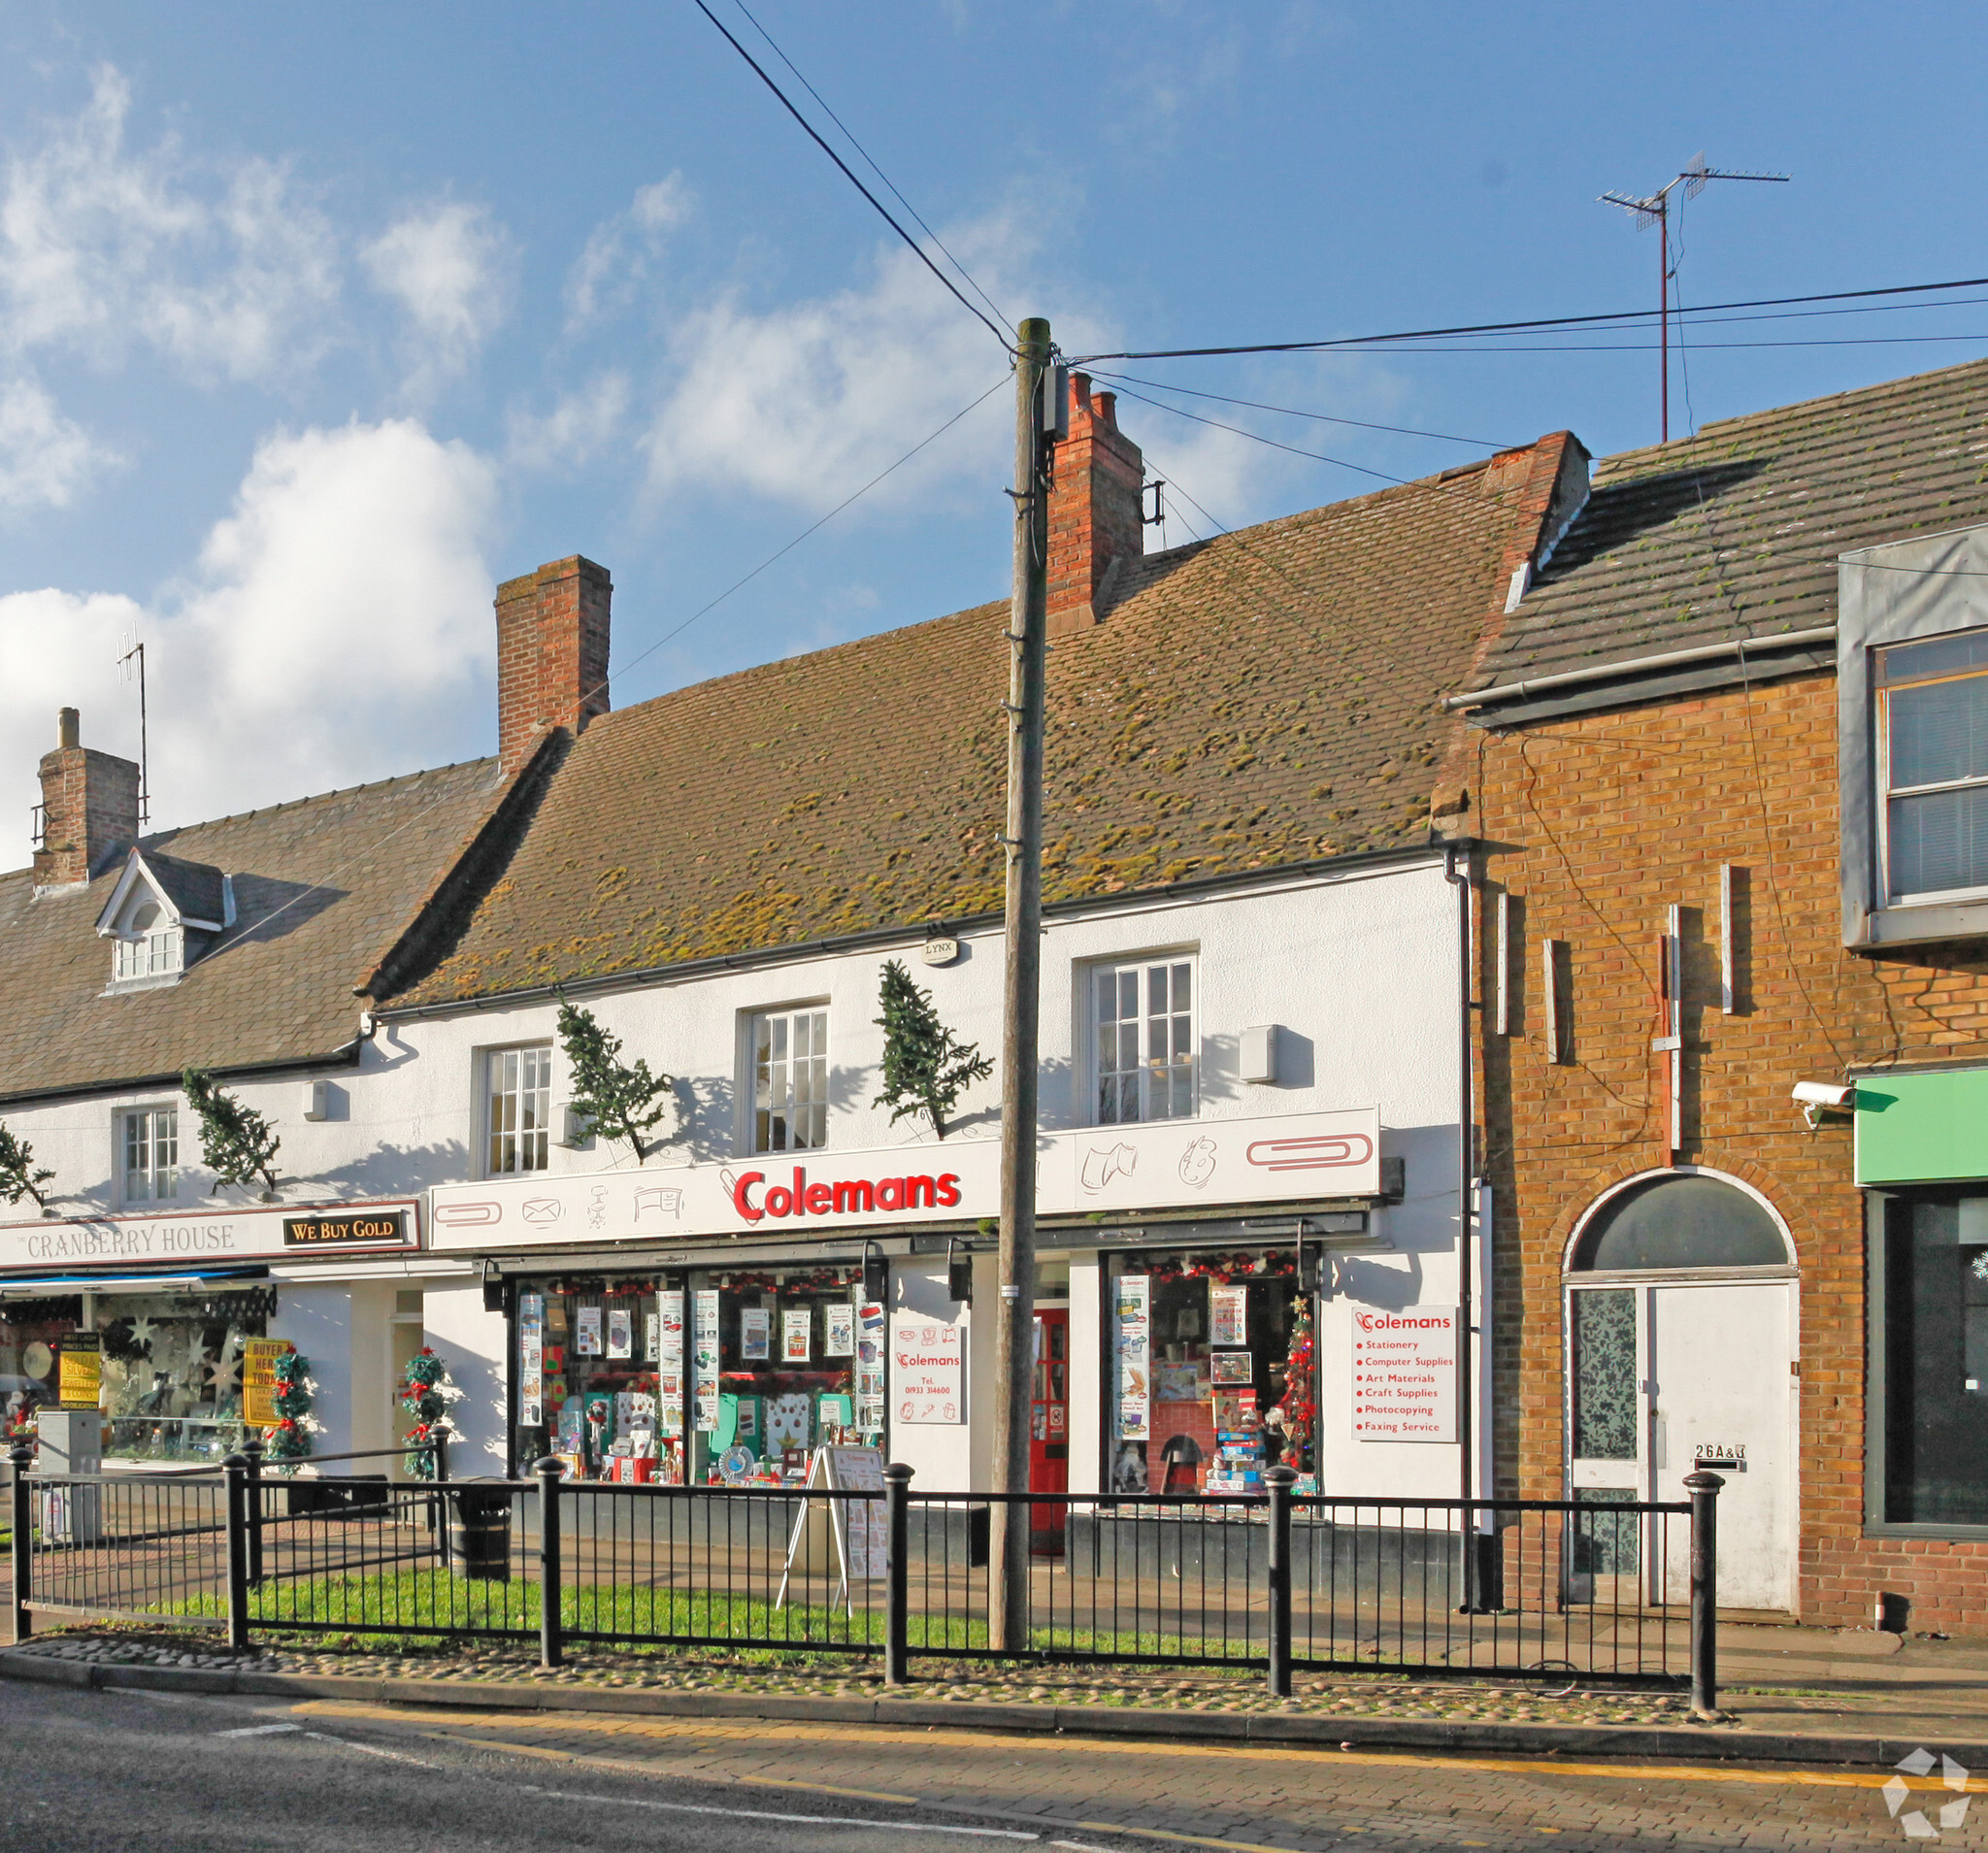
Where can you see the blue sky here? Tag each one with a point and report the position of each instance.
(317, 322)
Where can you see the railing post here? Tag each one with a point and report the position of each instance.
(236, 1467)
(897, 1575)
(1280, 1481)
(23, 1456)
(440, 1443)
(549, 1472)
(251, 1448)
(438, 1500)
(1703, 1488)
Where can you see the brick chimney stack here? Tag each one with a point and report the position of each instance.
(90, 807)
(551, 654)
(1094, 509)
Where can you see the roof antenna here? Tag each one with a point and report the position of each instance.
(134, 651)
(1655, 210)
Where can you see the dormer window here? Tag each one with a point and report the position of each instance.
(161, 916)
(149, 948)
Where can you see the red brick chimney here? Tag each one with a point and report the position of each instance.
(90, 807)
(551, 654)
(1094, 509)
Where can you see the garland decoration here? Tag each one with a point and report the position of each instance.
(621, 1100)
(296, 1390)
(1227, 1269)
(1301, 1400)
(18, 1175)
(926, 1067)
(426, 1393)
(236, 1143)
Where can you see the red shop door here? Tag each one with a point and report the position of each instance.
(1050, 1431)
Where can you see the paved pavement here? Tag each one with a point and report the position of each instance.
(104, 1771)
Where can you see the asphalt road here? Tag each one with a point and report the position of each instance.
(101, 1772)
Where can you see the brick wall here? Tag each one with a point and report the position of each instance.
(90, 807)
(1599, 824)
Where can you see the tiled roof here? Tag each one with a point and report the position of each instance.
(321, 888)
(1736, 532)
(1268, 697)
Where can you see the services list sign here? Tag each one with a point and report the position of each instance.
(1405, 1374)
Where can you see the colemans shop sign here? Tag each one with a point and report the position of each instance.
(209, 1235)
(1291, 1157)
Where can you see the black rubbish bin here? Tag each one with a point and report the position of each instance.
(480, 1532)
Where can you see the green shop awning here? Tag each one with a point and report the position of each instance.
(1922, 1129)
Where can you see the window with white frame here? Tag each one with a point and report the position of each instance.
(1933, 745)
(518, 1108)
(148, 946)
(151, 1154)
(1144, 1043)
(789, 1080)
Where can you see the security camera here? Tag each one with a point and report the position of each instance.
(1824, 1097)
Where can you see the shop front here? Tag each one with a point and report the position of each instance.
(1922, 1161)
(167, 1325)
(717, 1322)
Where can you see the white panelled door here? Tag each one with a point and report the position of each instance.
(1722, 1395)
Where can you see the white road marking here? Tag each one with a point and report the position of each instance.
(371, 1750)
(1084, 1846)
(765, 1814)
(259, 1730)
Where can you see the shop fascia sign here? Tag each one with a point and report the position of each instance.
(218, 1234)
(1163, 1165)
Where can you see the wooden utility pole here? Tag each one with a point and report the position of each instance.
(1007, 1620)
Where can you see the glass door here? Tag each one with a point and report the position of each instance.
(1606, 1419)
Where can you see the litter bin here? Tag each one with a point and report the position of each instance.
(480, 1532)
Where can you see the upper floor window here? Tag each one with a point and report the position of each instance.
(151, 1154)
(789, 1080)
(148, 946)
(518, 1105)
(1144, 1040)
(1933, 735)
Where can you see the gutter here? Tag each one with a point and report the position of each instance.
(683, 970)
(1639, 666)
(346, 1056)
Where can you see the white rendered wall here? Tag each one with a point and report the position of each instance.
(472, 1343)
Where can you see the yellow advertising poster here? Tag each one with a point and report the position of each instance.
(258, 1379)
(79, 1375)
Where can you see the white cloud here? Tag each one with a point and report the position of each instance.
(620, 247)
(225, 268)
(805, 402)
(337, 629)
(574, 431)
(446, 265)
(46, 460)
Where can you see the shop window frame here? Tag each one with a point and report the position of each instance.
(486, 1097)
(820, 1011)
(1878, 1208)
(1139, 965)
(120, 1135)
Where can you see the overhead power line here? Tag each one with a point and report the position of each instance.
(897, 193)
(1291, 411)
(1629, 315)
(850, 174)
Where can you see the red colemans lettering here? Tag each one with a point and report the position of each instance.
(859, 1196)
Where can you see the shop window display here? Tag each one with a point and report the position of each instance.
(588, 1361)
(168, 1367)
(800, 1366)
(1216, 1373)
(706, 1377)
(1935, 1349)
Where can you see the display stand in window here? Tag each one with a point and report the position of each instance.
(1217, 1375)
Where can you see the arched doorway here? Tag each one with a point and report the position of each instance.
(1682, 1348)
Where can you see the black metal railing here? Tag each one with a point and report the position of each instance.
(1617, 1593)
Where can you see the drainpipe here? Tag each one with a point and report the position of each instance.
(1456, 870)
